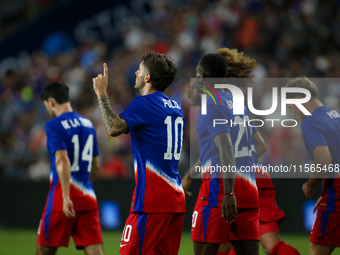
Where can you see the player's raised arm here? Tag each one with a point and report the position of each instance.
(114, 124)
(323, 158)
(225, 147)
(63, 167)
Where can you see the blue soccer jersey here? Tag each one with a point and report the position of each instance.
(211, 192)
(323, 128)
(156, 125)
(74, 133)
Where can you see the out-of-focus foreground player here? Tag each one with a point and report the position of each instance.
(71, 207)
(321, 132)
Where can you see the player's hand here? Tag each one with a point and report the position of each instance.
(101, 81)
(229, 212)
(68, 208)
(308, 189)
(317, 204)
(186, 182)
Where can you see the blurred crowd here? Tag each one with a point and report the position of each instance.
(287, 38)
(16, 13)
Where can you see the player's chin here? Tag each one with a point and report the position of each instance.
(136, 85)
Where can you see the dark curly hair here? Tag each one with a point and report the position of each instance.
(162, 69)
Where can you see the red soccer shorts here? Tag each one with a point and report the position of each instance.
(152, 233)
(269, 211)
(326, 229)
(267, 227)
(209, 226)
(55, 229)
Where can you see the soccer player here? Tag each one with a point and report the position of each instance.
(241, 66)
(71, 206)
(155, 123)
(321, 133)
(222, 193)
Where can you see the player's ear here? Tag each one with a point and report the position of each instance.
(147, 78)
(51, 102)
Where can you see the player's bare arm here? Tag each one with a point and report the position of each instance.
(187, 180)
(225, 147)
(63, 167)
(260, 144)
(323, 157)
(95, 168)
(114, 124)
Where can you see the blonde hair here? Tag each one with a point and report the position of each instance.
(302, 82)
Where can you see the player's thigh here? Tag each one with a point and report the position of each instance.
(143, 233)
(225, 247)
(54, 229)
(208, 226)
(45, 250)
(95, 249)
(205, 248)
(246, 226)
(250, 247)
(269, 240)
(172, 235)
(87, 231)
(321, 249)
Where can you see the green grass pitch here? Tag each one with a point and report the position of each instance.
(23, 242)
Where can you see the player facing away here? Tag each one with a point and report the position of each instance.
(71, 206)
(241, 66)
(321, 133)
(155, 123)
(231, 195)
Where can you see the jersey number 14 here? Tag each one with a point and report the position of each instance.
(177, 151)
(86, 154)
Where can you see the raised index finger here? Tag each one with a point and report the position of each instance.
(106, 71)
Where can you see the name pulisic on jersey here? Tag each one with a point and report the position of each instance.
(170, 103)
(76, 122)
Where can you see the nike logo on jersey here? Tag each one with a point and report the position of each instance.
(122, 245)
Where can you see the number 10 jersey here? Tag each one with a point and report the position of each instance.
(156, 126)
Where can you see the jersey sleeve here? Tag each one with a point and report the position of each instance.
(55, 137)
(136, 113)
(313, 134)
(218, 115)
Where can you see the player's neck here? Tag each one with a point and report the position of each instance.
(147, 89)
(62, 109)
(313, 104)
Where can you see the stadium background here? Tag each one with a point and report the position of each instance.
(44, 40)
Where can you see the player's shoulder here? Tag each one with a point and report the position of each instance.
(138, 102)
(85, 122)
(319, 117)
(67, 121)
(162, 100)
